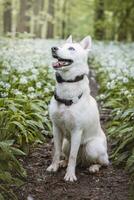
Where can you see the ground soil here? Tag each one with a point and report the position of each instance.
(110, 183)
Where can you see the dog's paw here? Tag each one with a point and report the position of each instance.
(63, 163)
(94, 168)
(70, 176)
(53, 168)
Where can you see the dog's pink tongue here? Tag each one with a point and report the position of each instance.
(58, 64)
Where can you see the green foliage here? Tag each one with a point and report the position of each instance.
(11, 171)
(122, 19)
(22, 119)
(102, 19)
(26, 87)
(23, 122)
(116, 94)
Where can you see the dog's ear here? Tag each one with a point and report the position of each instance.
(86, 43)
(69, 39)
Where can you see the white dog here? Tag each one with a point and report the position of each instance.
(74, 113)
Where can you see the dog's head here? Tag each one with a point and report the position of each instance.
(71, 54)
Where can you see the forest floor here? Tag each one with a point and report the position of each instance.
(109, 183)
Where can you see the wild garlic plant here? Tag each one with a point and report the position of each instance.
(114, 65)
(26, 86)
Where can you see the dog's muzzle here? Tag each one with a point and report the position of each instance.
(62, 62)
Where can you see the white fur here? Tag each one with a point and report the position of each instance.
(79, 123)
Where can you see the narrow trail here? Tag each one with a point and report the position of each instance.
(109, 184)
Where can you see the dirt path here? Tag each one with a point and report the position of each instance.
(109, 184)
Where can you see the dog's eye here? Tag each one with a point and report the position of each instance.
(71, 48)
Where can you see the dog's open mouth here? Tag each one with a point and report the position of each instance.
(61, 62)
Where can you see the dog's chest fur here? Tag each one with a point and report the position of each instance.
(72, 90)
(63, 117)
(66, 116)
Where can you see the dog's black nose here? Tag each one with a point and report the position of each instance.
(54, 49)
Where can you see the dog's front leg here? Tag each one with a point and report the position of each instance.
(57, 149)
(75, 144)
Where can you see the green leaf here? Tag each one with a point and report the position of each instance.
(16, 151)
(1, 197)
(6, 177)
(21, 127)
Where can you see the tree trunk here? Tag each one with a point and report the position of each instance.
(64, 9)
(99, 29)
(58, 18)
(132, 35)
(68, 27)
(123, 27)
(15, 6)
(38, 6)
(50, 25)
(22, 25)
(1, 19)
(122, 33)
(7, 17)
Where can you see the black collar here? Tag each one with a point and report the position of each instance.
(67, 102)
(61, 80)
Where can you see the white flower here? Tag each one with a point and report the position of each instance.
(49, 85)
(118, 112)
(112, 75)
(23, 80)
(46, 90)
(119, 78)
(30, 89)
(110, 85)
(126, 92)
(7, 85)
(5, 94)
(34, 71)
(125, 80)
(5, 72)
(102, 96)
(17, 92)
(38, 85)
(14, 78)
(32, 95)
(129, 96)
(2, 83)
(33, 77)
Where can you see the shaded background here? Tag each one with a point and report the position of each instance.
(102, 19)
